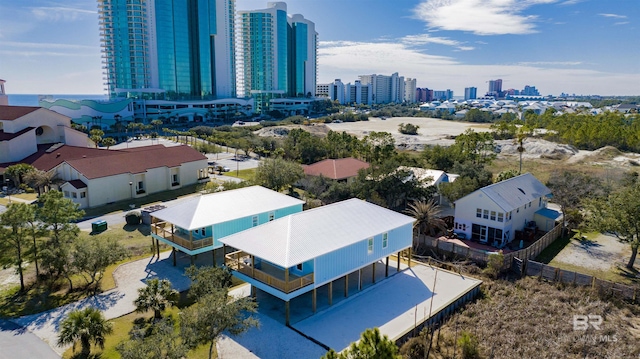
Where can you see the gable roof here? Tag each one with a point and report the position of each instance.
(77, 184)
(10, 113)
(514, 192)
(336, 169)
(429, 176)
(210, 209)
(302, 236)
(96, 163)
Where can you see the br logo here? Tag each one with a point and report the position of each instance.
(582, 322)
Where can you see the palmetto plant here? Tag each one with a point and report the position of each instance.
(85, 326)
(427, 215)
(156, 296)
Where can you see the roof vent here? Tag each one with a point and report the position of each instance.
(84, 156)
(57, 154)
(521, 190)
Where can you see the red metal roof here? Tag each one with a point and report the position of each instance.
(336, 169)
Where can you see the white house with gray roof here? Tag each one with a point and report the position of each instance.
(494, 213)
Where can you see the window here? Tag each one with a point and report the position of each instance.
(500, 217)
(203, 231)
(66, 194)
(254, 221)
(272, 216)
(478, 213)
(385, 240)
(485, 214)
(493, 215)
(299, 266)
(140, 185)
(83, 194)
(540, 202)
(74, 195)
(370, 245)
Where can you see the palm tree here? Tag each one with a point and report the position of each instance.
(85, 325)
(427, 215)
(156, 296)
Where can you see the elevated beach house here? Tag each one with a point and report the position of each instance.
(196, 225)
(304, 251)
(494, 213)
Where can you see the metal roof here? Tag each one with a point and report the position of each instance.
(514, 192)
(210, 209)
(300, 237)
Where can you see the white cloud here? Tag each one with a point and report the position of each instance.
(621, 23)
(615, 16)
(42, 53)
(571, 2)
(41, 45)
(59, 13)
(482, 17)
(424, 39)
(348, 60)
(551, 63)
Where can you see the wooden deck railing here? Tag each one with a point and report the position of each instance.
(241, 262)
(181, 240)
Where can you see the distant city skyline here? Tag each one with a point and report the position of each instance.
(572, 46)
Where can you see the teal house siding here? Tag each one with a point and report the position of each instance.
(224, 229)
(345, 260)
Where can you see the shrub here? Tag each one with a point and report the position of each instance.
(494, 265)
(469, 345)
(133, 218)
(408, 129)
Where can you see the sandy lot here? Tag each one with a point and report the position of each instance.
(432, 131)
(603, 253)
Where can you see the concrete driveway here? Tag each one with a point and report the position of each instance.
(18, 343)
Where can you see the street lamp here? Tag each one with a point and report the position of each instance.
(131, 189)
(8, 194)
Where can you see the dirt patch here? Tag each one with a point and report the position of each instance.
(431, 131)
(603, 253)
(317, 129)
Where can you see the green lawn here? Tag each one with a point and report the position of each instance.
(247, 174)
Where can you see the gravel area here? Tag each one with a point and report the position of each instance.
(603, 253)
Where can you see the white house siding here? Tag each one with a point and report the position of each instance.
(68, 190)
(18, 148)
(466, 208)
(41, 118)
(76, 138)
(108, 189)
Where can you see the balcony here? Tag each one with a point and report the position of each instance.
(268, 274)
(185, 241)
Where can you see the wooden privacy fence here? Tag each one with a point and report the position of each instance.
(553, 274)
(482, 256)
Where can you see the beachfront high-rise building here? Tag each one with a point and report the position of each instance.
(170, 49)
(276, 54)
(386, 89)
(495, 88)
(470, 93)
(4, 99)
(410, 90)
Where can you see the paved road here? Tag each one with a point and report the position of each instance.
(17, 343)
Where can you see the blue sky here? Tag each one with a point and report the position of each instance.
(572, 46)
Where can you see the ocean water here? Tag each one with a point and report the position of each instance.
(32, 100)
